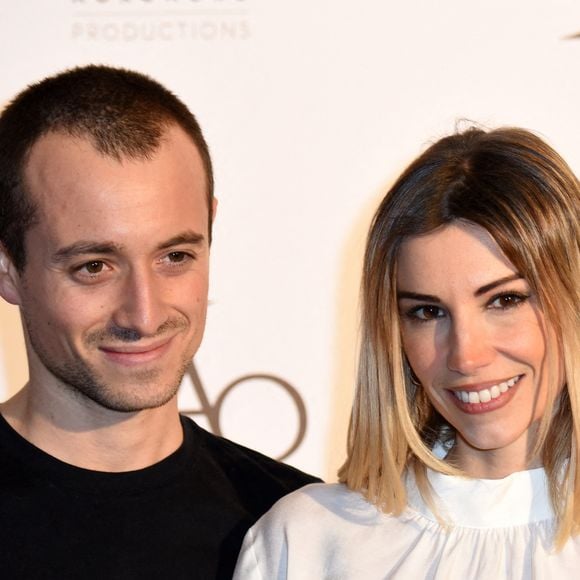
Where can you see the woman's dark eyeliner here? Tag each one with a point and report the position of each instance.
(513, 299)
(413, 312)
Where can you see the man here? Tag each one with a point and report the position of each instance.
(106, 207)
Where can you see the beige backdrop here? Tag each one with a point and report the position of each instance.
(311, 108)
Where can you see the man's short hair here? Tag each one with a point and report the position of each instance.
(123, 113)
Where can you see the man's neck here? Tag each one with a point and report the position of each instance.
(80, 432)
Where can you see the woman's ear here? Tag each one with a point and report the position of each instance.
(9, 278)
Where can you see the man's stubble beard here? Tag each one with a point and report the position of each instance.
(84, 382)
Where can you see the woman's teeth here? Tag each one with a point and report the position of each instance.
(486, 395)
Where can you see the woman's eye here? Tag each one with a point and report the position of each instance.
(507, 300)
(425, 313)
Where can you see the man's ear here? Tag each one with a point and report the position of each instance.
(214, 204)
(9, 278)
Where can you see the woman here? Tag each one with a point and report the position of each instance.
(464, 442)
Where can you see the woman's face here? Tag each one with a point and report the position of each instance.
(476, 340)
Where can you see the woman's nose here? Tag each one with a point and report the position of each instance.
(470, 346)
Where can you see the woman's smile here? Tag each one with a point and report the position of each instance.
(482, 399)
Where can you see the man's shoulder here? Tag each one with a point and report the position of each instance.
(242, 463)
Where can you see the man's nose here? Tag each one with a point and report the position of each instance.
(141, 307)
(469, 346)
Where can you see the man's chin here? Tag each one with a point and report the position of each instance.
(128, 391)
(130, 397)
(120, 388)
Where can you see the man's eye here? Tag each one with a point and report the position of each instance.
(95, 267)
(177, 257)
(90, 272)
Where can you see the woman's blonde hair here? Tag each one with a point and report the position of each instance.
(522, 192)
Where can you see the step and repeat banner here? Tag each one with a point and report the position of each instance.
(311, 108)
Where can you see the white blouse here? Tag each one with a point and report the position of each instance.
(502, 528)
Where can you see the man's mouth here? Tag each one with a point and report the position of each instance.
(486, 394)
(135, 354)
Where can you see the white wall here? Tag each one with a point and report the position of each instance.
(311, 108)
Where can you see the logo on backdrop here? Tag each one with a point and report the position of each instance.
(572, 36)
(116, 21)
(291, 402)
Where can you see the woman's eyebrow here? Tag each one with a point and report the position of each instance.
(402, 294)
(487, 287)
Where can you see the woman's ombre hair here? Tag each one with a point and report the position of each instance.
(515, 186)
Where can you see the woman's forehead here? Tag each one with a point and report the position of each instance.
(458, 251)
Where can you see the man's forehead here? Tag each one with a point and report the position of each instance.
(59, 139)
(58, 156)
(58, 153)
(80, 193)
(66, 176)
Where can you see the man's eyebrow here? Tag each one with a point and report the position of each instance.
(188, 237)
(84, 247)
(485, 289)
(402, 294)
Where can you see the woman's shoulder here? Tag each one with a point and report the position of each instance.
(318, 504)
(324, 493)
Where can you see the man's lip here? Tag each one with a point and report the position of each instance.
(135, 354)
(133, 349)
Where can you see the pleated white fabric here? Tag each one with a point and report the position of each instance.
(502, 529)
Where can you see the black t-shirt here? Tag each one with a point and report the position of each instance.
(184, 517)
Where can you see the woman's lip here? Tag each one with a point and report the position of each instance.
(494, 404)
(135, 354)
(485, 385)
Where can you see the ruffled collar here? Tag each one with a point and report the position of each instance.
(518, 499)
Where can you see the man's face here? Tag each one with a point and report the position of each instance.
(114, 292)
